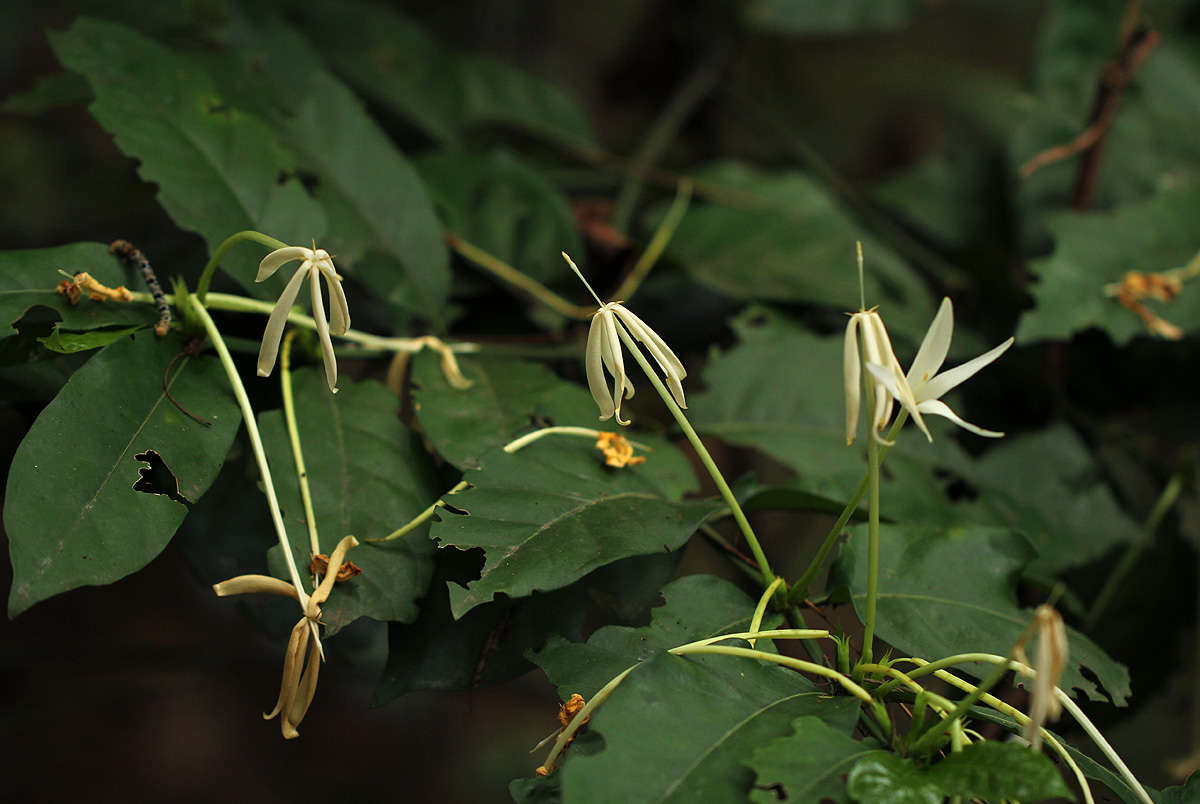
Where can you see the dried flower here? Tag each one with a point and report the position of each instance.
(1049, 662)
(302, 659)
(618, 452)
(315, 262)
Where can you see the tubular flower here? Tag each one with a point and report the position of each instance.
(604, 352)
(1049, 661)
(315, 262)
(302, 659)
(923, 385)
(877, 349)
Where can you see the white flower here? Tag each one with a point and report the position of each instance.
(878, 349)
(921, 390)
(604, 352)
(316, 263)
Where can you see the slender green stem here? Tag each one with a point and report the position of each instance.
(787, 661)
(664, 129)
(758, 633)
(761, 608)
(293, 429)
(873, 462)
(1134, 550)
(502, 270)
(244, 304)
(654, 249)
(581, 717)
(925, 742)
(211, 266)
(260, 455)
(739, 515)
(801, 588)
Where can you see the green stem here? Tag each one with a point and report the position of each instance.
(260, 455)
(739, 515)
(925, 742)
(664, 129)
(1134, 550)
(787, 661)
(502, 270)
(801, 588)
(873, 461)
(581, 717)
(761, 608)
(244, 304)
(293, 429)
(654, 249)
(211, 266)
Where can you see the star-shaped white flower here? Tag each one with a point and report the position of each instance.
(315, 262)
(877, 348)
(604, 352)
(921, 390)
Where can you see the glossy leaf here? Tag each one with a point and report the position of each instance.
(1096, 249)
(217, 168)
(368, 476)
(553, 512)
(71, 512)
(777, 236)
(28, 278)
(884, 778)
(996, 771)
(927, 611)
(809, 765)
(68, 343)
(501, 204)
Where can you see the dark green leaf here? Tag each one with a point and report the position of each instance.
(801, 18)
(995, 771)
(375, 198)
(504, 206)
(884, 778)
(217, 168)
(926, 611)
(1186, 793)
(49, 92)
(553, 512)
(779, 236)
(368, 476)
(537, 790)
(808, 765)
(67, 343)
(28, 278)
(1093, 250)
(442, 91)
(71, 513)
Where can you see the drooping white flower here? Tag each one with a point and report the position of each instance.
(923, 385)
(604, 352)
(315, 263)
(877, 348)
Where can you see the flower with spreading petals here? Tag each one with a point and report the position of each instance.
(920, 391)
(315, 263)
(302, 660)
(604, 352)
(877, 348)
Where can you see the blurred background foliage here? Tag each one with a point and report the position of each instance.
(535, 126)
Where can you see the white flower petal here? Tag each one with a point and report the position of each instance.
(851, 378)
(672, 368)
(318, 314)
(611, 354)
(279, 257)
(897, 386)
(936, 407)
(595, 367)
(947, 380)
(251, 584)
(339, 310)
(934, 346)
(275, 324)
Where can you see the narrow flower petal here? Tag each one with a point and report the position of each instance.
(280, 257)
(934, 346)
(851, 378)
(944, 382)
(339, 310)
(897, 385)
(336, 559)
(611, 355)
(936, 407)
(318, 314)
(249, 584)
(672, 368)
(302, 698)
(293, 659)
(275, 324)
(878, 349)
(595, 367)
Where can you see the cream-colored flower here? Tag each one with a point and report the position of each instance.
(315, 263)
(302, 660)
(604, 352)
(877, 349)
(921, 390)
(1049, 661)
